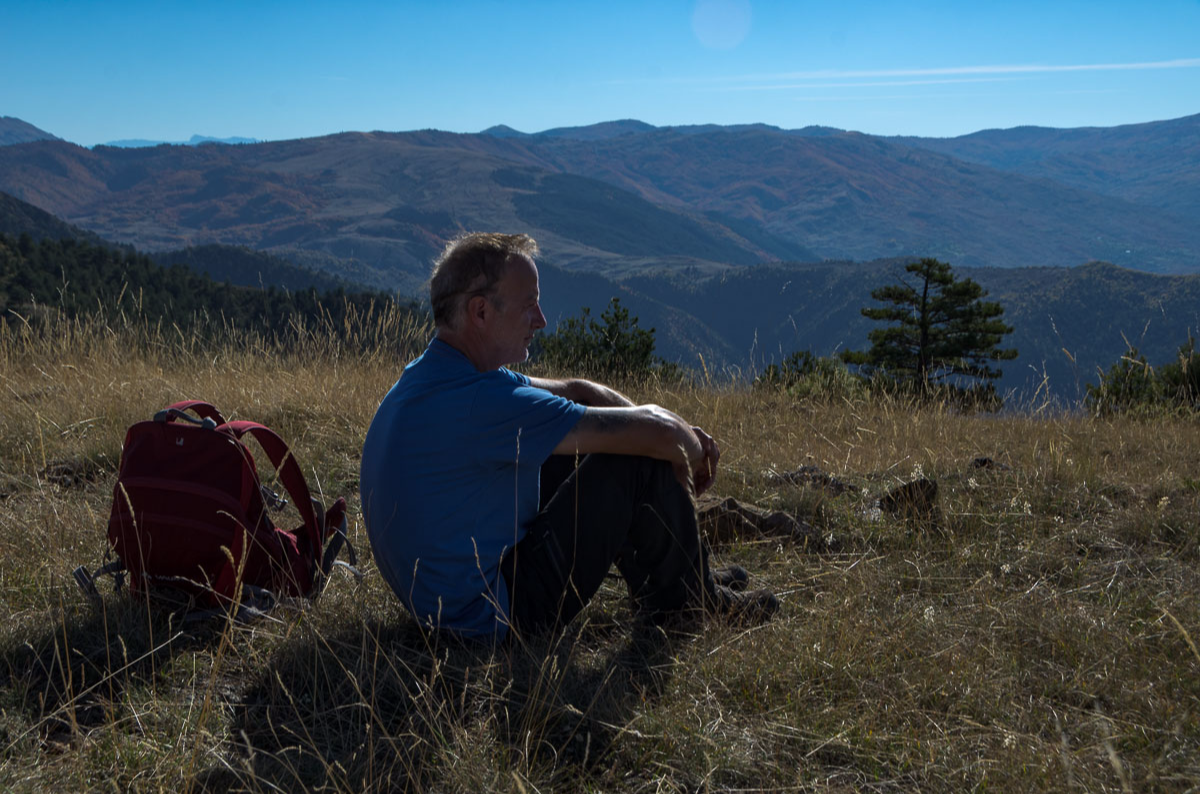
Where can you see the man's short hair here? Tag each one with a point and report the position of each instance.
(471, 265)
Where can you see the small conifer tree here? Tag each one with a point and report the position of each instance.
(612, 346)
(942, 332)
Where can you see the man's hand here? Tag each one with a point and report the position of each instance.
(706, 471)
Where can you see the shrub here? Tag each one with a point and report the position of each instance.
(1132, 385)
(807, 376)
(1181, 378)
(614, 346)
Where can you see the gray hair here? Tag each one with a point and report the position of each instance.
(471, 265)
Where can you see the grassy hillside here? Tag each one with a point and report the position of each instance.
(1037, 632)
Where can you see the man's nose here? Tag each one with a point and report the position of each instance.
(539, 319)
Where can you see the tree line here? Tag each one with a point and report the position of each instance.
(939, 339)
(75, 277)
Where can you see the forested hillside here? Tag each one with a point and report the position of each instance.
(250, 268)
(76, 277)
(18, 217)
(1069, 322)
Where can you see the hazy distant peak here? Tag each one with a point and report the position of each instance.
(599, 132)
(503, 131)
(195, 140)
(14, 131)
(615, 129)
(817, 131)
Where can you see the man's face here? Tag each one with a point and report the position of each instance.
(517, 313)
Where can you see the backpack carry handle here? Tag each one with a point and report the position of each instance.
(199, 407)
(171, 414)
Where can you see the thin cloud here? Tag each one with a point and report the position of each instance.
(941, 71)
(878, 84)
(1180, 63)
(861, 98)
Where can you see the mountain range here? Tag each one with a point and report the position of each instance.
(625, 197)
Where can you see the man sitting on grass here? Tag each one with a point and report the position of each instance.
(478, 515)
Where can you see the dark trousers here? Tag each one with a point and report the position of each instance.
(620, 509)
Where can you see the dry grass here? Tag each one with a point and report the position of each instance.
(1037, 633)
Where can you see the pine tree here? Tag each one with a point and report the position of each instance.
(616, 346)
(942, 332)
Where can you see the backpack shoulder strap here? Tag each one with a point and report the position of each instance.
(289, 473)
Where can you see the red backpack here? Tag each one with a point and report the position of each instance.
(190, 513)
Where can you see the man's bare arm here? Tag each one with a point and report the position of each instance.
(648, 430)
(584, 392)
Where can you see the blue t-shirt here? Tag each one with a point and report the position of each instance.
(449, 481)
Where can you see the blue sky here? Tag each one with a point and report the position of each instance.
(92, 72)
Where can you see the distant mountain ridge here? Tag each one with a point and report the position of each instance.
(1155, 163)
(14, 131)
(622, 197)
(855, 196)
(195, 140)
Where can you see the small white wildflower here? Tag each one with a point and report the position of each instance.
(972, 483)
(1162, 503)
(1058, 519)
(816, 647)
(1070, 461)
(930, 614)
(1009, 741)
(1027, 509)
(917, 472)
(1006, 568)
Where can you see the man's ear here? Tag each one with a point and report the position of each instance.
(477, 309)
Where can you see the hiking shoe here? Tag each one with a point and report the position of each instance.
(749, 608)
(735, 577)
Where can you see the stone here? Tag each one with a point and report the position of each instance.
(724, 521)
(814, 477)
(916, 499)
